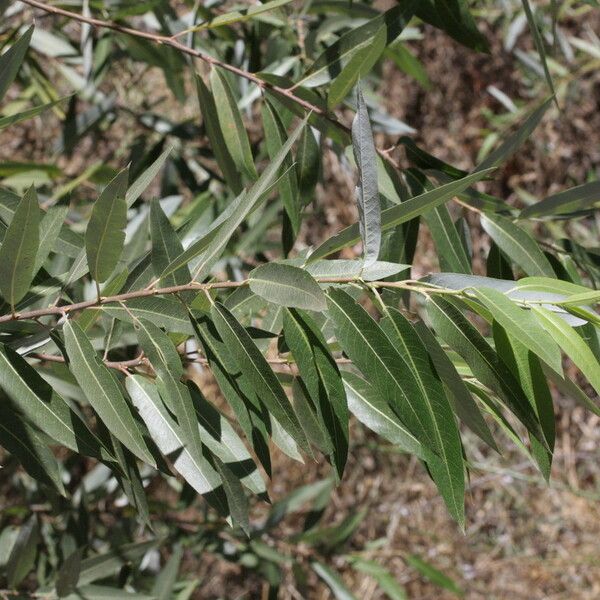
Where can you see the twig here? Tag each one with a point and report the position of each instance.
(211, 60)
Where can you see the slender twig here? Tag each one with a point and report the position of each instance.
(207, 58)
(67, 309)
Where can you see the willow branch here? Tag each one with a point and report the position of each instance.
(174, 43)
(67, 309)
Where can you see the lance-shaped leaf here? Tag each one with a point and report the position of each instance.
(539, 44)
(11, 61)
(167, 435)
(25, 444)
(215, 136)
(42, 405)
(331, 62)
(322, 380)
(396, 215)
(26, 114)
(221, 439)
(19, 249)
(103, 392)
(514, 141)
(167, 578)
(370, 408)
(582, 197)
(460, 397)
(105, 233)
(139, 186)
(236, 498)
(518, 245)
(287, 285)
(251, 414)
(163, 356)
(526, 366)
(252, 363)
(308, 165)
(166, 247)
(275, 137)
(232, 126)
(521, 324)
(374, 354)
(358, 66)
(242, 15)
(571, 344)
(23, 554)
(212, 244)
(50, 228)
(367, 192)
(448, 469)
(454, 18)
(454, 328)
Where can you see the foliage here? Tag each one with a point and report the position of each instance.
(109, 305)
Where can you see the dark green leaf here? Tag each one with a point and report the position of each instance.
(578, 198)
(23, 554)
(287, 286)
(105, 233)
(68, 574)
(103, 392)
(19, 249)
(10, 61)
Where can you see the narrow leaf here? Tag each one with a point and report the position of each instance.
(11, 60)
(105, 233)
(103, 392)
(367, 192)
(19, 249)
(582, 197)
(287, 286)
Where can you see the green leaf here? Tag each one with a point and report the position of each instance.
(513, 142)
(24, 552)
(374, 354)
(454, 18)
(460, 397)
(214, 242)
(358, 66)
(139, 186)
(10, 61)
(353, 269)
(447, 467)
(105, 233)
(571, 344)
(581, 197)
(232, 126)
(216, 138)
(432, 574)
(163, 356)
(308, 165)
(454, 328)
(103, 592)
(521, 324)
(236, 498)
(287, 286)
(50, 228)
(42, 405)
(367, 191)
(322, 380)
(275, 137)
(167, 436)
(385, 580)
(103, 392)
(26, 114)
(518, 245)
(25, 444)
(105, 565)
(396, 215)
(166, 246)
(221, 439)
(369, 407)
(68, 574)
(252, 363)
(527, 368)
(19, 249)
(539, 44)
(333, 60)
(167, 578)
(333, 581)
(241, 16)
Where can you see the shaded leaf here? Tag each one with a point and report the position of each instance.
(578, 198)
(10, 61)
(22, 557)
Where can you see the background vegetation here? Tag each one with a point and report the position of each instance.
(145, 145)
